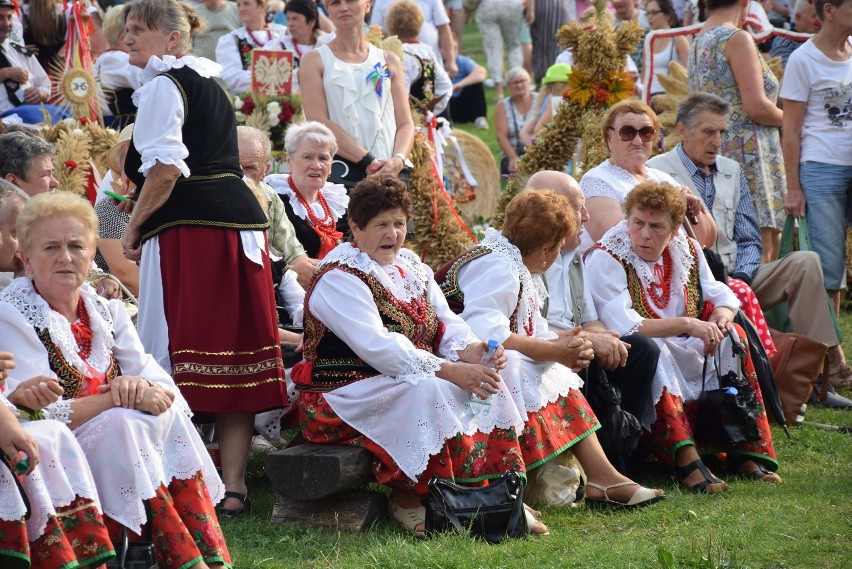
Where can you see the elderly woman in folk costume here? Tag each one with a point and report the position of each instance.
(147, 460)
(233, 52)
(497, 289)
(315, 207)
(358, 91)
(647, 277)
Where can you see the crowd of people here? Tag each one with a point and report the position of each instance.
(290, 299)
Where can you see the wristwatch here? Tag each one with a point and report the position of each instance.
(405, 161)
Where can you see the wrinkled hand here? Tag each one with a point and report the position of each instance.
(707, 332)
(36, 393)
(721, 317)
(16, 74)
(304, 267)
(392, 166)
(132, 244)
(13, 440)
(795, 202)
(574, 349)
(128, 391)
(475, 378)
(33, 96)
(156, 400)
(610, 351)
(472, 354)
(694, 204)
(7, 361)
(107, 288)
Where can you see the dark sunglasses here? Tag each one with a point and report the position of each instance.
(627, 133)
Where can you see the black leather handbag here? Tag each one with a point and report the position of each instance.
(727, 415)
(493, 513)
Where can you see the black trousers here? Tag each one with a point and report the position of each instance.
(469, 105)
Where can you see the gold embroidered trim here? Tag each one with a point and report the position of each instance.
(228, 385)
(201, 177)
(246, 353)
(206, 223)
(73, 511)
(182, 94)
(206, 369)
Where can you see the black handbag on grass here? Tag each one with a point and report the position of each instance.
(493, 513)
(727, 415)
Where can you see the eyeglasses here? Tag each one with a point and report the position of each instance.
(654, 12)
(627, 133)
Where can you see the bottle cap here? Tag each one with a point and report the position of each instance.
(492, 345)
(22, 465)
(731, 391)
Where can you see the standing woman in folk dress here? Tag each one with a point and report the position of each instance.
(207, 312)
(358, 91)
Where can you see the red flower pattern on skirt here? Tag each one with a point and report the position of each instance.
(76, 536)
(467, 459)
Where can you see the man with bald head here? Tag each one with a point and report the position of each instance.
(629, 362)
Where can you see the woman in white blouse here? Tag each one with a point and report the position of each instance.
(646, 277)
(117, 79)
(390, 368)
(233, 52)
(196, 222)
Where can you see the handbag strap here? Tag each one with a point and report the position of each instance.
(20, 487)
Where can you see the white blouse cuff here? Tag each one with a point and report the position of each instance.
(150, 163)
(457, 344)
(59, 411)
(421, 367)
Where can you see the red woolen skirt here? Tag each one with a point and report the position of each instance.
(467, 459)
(556, 427)
(751, 308)
(75, 537)
(222, 322)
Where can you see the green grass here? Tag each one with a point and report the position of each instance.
(805, 522)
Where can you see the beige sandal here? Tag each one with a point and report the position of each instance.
(410, 518)
(641, 497)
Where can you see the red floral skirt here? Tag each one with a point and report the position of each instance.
(75, 537)
(556, 427)
(672, 429)
(751, 308)
(223, 326)
(184, 527)
(465, 459)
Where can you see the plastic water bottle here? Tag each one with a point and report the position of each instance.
(477, 405)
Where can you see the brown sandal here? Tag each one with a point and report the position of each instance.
(841, 376)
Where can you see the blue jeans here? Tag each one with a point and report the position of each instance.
(828, 191)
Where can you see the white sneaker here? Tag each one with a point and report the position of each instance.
(489, 83)
(481, 123)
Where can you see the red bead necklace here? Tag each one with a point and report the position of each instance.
(661, 291)
(82, 331)
(327, 223)
(257, 41)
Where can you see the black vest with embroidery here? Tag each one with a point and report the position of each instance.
(70, 378)
(332, 363)
(448, 278)
(214, 195)
(305, 233)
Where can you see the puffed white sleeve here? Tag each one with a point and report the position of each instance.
(607, 282)
(457, 334)
(132, 359)
(490, 295)
(116, 72)
(38, 76)
(443, 86)
(345, 305)
(157, 132)
(235, 77)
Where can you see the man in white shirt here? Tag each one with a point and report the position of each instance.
(629, 362)
(24, 80)
(435, 32)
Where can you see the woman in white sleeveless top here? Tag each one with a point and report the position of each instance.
(358, 91)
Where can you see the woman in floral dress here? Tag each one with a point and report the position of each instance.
(724, 61)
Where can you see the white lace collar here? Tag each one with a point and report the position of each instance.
(200, 65)
(38, 313)
(405, 278)
(617, 241)
(272, 32)
(534, 293)
(335, 195)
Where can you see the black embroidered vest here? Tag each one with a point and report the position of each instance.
(214, 195)
(305, 233)
(70, 378)
(332, 363)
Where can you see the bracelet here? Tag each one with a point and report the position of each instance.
(366, 160)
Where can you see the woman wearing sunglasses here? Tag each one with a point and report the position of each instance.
(630, 130)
